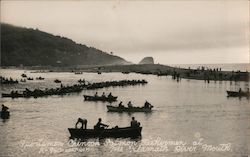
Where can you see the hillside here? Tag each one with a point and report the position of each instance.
(29, 47)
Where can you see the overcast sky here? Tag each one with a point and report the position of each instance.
(170, 31)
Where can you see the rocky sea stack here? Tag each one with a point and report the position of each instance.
(147, 60)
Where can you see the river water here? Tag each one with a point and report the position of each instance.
(189, 118)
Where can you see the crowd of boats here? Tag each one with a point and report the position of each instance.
(70, 89)
(4, 80)
(101, 130)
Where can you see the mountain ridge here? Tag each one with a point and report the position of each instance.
(32, 47)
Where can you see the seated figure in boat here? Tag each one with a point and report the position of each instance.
(99, 125)
(96, 94)
(103, 94)
(4, 108)
(147, 105)
(130, 104)
(110, 95)
(134, 123)
(83, 121)
(120, 105)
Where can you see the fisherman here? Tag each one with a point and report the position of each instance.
(120, 105)
(134, 123)
(4, 108)
(240, 90)
(99, 125)
(130, 104)
(247, 90)
(96, 94)
(103, 94)
(83, 121)
(110, 95)
(147, 105)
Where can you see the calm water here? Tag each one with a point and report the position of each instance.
(186, 111)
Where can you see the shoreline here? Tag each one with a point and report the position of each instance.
(150, 69)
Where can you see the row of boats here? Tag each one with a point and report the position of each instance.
(70, 89)
(119, 108)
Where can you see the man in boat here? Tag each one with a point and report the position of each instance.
(96, 94)
(110, 95)
(130, 104)
(120, 105)
(99, 125)
(147, 105)
(240, 90)
(134, 123)
(83, 121)
(4, 108)
(103, 94)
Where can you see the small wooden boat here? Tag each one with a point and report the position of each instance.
(57, 81)
(99, 98)
(78, 72)
(30, 78)
(40, 78)
(24, 75)
(237, 94)
(128, 109)
(5, 115)
(127, 132)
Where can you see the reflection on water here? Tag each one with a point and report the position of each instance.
(184, 111)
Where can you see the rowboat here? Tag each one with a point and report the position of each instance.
(128, 109)
(4, 115)
(237, 94)
(126, 132)
(99, 98)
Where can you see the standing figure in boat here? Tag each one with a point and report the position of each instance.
(83, 121)
(99, 125)
(120, 105)
(240, 90)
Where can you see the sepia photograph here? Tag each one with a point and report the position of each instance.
(125, 78)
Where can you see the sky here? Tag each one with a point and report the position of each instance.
(172, 32)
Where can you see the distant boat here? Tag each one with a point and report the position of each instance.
(78, 72)
(57, 81)
(128, 109)
(39, 78)
(127, 132)
(23, 80)
(125, 72)
(99, 98)
(5, 115)
(237, 94)
(99, 72)
(24, 75)
(29, 78)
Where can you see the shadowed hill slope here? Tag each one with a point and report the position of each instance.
(29, 47)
